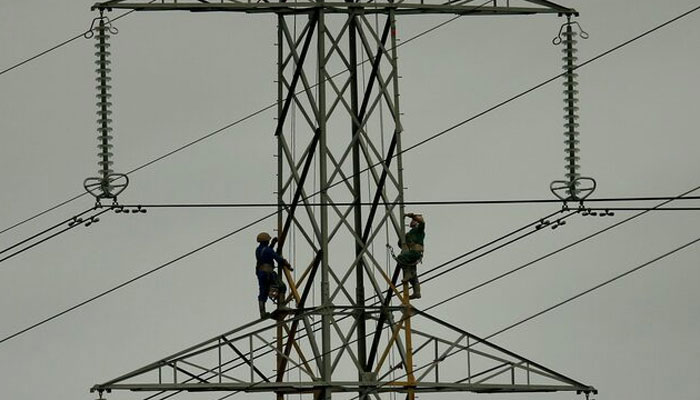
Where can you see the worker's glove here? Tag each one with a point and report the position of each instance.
(289, 266)
(273, 242)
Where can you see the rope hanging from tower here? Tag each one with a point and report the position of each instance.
(575, 187)
(108, 185)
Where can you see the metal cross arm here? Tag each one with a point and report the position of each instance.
(468, 7)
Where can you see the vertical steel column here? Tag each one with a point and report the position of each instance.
(280, 163)
(410, 395)
(252, 358)
(357, 200)
(394, 148)
(326, 310)
(469, 361)
(406, 316)
(397, 120)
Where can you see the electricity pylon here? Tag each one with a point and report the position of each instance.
(338, 73)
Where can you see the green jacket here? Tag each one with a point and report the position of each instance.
(416, 235)
(409, 254)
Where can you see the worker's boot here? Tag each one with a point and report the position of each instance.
(263, 313)
(416, 291)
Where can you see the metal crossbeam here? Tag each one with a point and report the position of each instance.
(470, 7)
(341, 387)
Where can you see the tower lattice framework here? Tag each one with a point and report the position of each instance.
(340, 189)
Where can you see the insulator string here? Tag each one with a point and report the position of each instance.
(108, 184)
(575, 187)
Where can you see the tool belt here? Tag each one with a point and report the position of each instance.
(265, 267)
(412, 246)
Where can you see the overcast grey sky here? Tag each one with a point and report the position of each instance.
(179, 76)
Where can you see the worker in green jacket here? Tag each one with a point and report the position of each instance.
(412, 253)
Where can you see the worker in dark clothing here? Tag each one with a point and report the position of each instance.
(265, 255)
(412, 253)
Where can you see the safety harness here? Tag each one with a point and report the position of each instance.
(413, 246)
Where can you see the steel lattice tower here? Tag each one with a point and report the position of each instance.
(364, 314)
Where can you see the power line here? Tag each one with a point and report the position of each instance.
(121, 285)
(207, 136)
(568, 246)
(427, 203)
(43, 212)
(552, 79)
(92, 219)
(645, 209)
(499, 247)
(58, 46)
(406, 203)
(74, 218)
(489, 243)
(596, 287)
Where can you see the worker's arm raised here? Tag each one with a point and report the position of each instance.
(415, 217)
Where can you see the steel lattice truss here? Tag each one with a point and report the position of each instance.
(338, 143)
(446, 359)
(340, 96)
